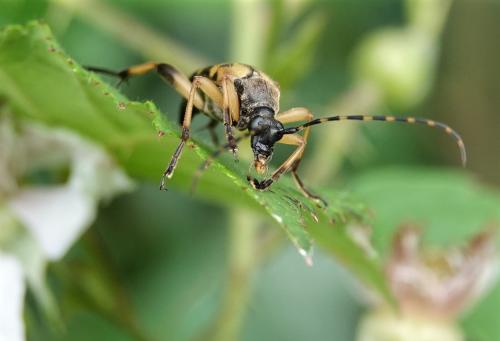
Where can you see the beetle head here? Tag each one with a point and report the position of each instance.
(265, 132)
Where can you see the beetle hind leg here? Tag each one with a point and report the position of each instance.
(306, 192)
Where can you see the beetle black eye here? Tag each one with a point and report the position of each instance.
(257, 124)
(276, 131)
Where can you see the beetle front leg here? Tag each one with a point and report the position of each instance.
(293, 139)
(295, 115)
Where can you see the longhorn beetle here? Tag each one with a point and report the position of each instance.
(243, 97)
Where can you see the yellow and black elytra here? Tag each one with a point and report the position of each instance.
(247, 99)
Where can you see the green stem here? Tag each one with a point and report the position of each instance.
(121, 310)
(249, 29)
(360, 99)
(364, 98)
(243, 231)
(59, 18)
(146, 41)
(246, 46)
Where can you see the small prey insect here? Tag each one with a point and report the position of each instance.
(245, 98)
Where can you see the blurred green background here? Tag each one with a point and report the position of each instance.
(163, 260)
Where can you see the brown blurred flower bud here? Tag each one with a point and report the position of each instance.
(440, 282)
(431, 286)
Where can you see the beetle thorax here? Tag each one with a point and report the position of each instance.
(254, 92)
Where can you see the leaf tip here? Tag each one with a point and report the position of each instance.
(277, 218)
(307, 257)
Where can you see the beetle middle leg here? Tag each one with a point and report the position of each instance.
(231, 108)
(210, 158)
(295, 115)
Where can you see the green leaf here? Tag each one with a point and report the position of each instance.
(482, 323)
(449, 205)
(40, 82)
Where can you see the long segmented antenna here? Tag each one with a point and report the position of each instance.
(410, 120)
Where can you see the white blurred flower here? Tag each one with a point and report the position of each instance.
(55, 216)
(39, 222)
(11, 298)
